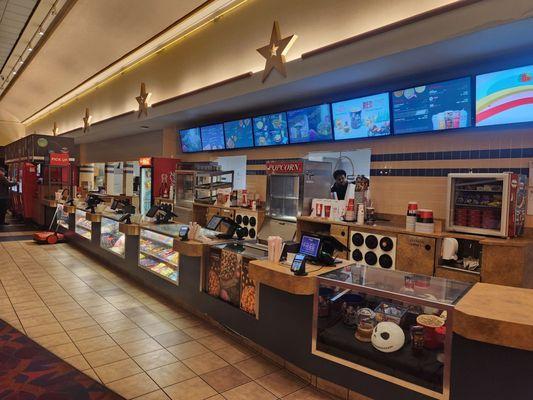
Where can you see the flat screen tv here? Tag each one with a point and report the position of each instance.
(504, 97)
(239, 134)
(212, 137)
(311, 124)
(190, 140)
(433, 107)
(362, 117)
(270, 130)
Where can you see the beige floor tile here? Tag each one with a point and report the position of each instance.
(157, 395)
(191, 389)
(159, 328)
(64, 350)
(186, 322)
(78, 323)
(225, 378)
(133, 386)
(216, 397)
(43, 330)
(233, 354)
(215, 342)
(170, 374)
(147, 319)
(129, 335)
(36, 320)
(281, 383)
(250, 390)
(141, 347)
(90, 372)
(53, 339)
(188, 350)
(86, 333)
(105, 356)
(117, 370)
(117, 326)
(308, 393)
(71, 315)
(96, 343)
(199, 331)
(110, 316)
(155, 359)
(79, 362)
(99, 309)
(173, 338)
(256, 367)
(205, 363)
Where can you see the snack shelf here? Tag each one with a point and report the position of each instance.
(82, 226)
(111, 239)
(156, 253)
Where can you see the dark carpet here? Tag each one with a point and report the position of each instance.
(30, 372)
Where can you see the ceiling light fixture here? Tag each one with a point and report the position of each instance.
(30, 48)
(14, 72)
(21, 62)
(41, 32)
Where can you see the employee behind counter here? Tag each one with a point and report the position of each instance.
(340, 187)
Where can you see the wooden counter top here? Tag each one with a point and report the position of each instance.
(495, 314)
(391, 228)
(280, 276)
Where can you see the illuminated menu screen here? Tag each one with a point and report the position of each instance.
(434, 107)
(190, 140)
(270, 130)
(311, 124)
(212, 137)
(239, 134)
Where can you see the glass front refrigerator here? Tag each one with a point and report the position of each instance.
(156, 180)
(486, 203)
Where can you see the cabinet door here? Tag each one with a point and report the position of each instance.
(415, 254)
(340, 232)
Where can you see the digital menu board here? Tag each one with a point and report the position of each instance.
(311, 124)
(270, 130)
(504, 97)
(433, 107)
(363, 117)
(239, 134)
(212, 137)
(190, 140)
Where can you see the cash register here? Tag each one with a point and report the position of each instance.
(320, 249)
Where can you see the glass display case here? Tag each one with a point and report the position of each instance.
(83, 227)
(156, 253)
(111, 238)
(62, 217)
(390, 324)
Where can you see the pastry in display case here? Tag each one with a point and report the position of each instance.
(83, 227)
(156, 253)
(62, 217)
(389, 324)
(111, 238)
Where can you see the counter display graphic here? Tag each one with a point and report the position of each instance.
(271, 130)
(433, 107)
(505, 97)
(311, 124)
(363, 117)
(239, 134)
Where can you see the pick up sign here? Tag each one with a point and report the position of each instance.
(59, 159)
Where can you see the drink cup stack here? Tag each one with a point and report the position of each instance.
(410, 220)
(424, 221)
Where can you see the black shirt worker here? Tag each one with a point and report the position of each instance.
(341, 184)
(4, 195)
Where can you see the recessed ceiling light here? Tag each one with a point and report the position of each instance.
(30, 49)
(14, 72)
(41, 32)
(21, 62)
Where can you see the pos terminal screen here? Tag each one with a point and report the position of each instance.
(309, 246)
(214, 222)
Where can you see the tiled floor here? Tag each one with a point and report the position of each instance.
(128, 339)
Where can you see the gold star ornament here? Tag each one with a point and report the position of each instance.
(275, 52)
(55, 131)
(87, 121)
(143, 98)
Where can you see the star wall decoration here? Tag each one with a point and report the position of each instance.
(87, 121)
(143, 99)
(275, 52)
(55, 131)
